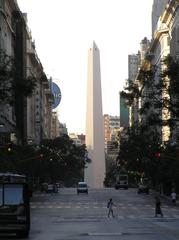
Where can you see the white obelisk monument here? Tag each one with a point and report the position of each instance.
(95, 171)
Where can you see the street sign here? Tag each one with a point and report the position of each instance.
(57, 95)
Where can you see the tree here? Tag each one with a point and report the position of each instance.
(137, 152)
(109, 180)
(9, 86)
(67, 160)
(55, 160)
(158, 90)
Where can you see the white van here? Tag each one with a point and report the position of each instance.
(82, 188)
(122, 181)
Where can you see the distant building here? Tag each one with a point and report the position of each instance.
(124, 112)
(111, 136)
(63, 129)
(82, 138)
(111, 130)
(133, 66)
(77, 141)
(55, 129)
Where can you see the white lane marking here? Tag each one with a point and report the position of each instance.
(105, 234)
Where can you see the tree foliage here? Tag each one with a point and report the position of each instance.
(157, 88)
(142, 153)
(55, 160)
(10, 82)
(137, 149)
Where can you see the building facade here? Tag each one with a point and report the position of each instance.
(111, 131)
(111, 138)
(55, 127)
(28, 119)
(165, 37)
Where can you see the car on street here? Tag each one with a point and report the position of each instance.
(51, 188)
(144, 186)
(121, 181)
(82, 187)
(43, 187)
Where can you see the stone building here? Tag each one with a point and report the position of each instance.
(28, 119)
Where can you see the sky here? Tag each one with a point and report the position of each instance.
(64, 30)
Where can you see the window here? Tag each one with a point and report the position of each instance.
(82, 185)
(13, 194)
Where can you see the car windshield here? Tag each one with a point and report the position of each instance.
(13, 194)
(82, 185)
(123, 177)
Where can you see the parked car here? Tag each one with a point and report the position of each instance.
(82, 188)
(43, 187)
(51, 188)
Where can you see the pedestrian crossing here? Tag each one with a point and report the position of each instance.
(118, 217)
(96, 205)
(130, 211)
(97, 211)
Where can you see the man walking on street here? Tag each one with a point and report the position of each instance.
(158, 207)
(174, 197)
(110, 206)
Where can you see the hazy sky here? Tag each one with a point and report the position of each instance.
(64, 30)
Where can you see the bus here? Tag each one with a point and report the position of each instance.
(14, 205)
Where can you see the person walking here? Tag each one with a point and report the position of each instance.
(158, 207)
(173, 197)
(110, 205)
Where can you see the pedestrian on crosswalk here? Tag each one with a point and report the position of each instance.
(174, 197)
(110, 205)
(158, 207)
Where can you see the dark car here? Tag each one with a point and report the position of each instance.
(143, 188)
(43, 187)
(82, 188)
(52, 188)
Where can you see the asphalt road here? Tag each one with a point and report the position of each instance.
(68, 216)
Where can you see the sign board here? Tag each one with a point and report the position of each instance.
(57, 95)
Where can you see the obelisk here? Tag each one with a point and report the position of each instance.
(95, 170)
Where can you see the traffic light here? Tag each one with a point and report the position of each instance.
(41, 155)
(158, 154)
